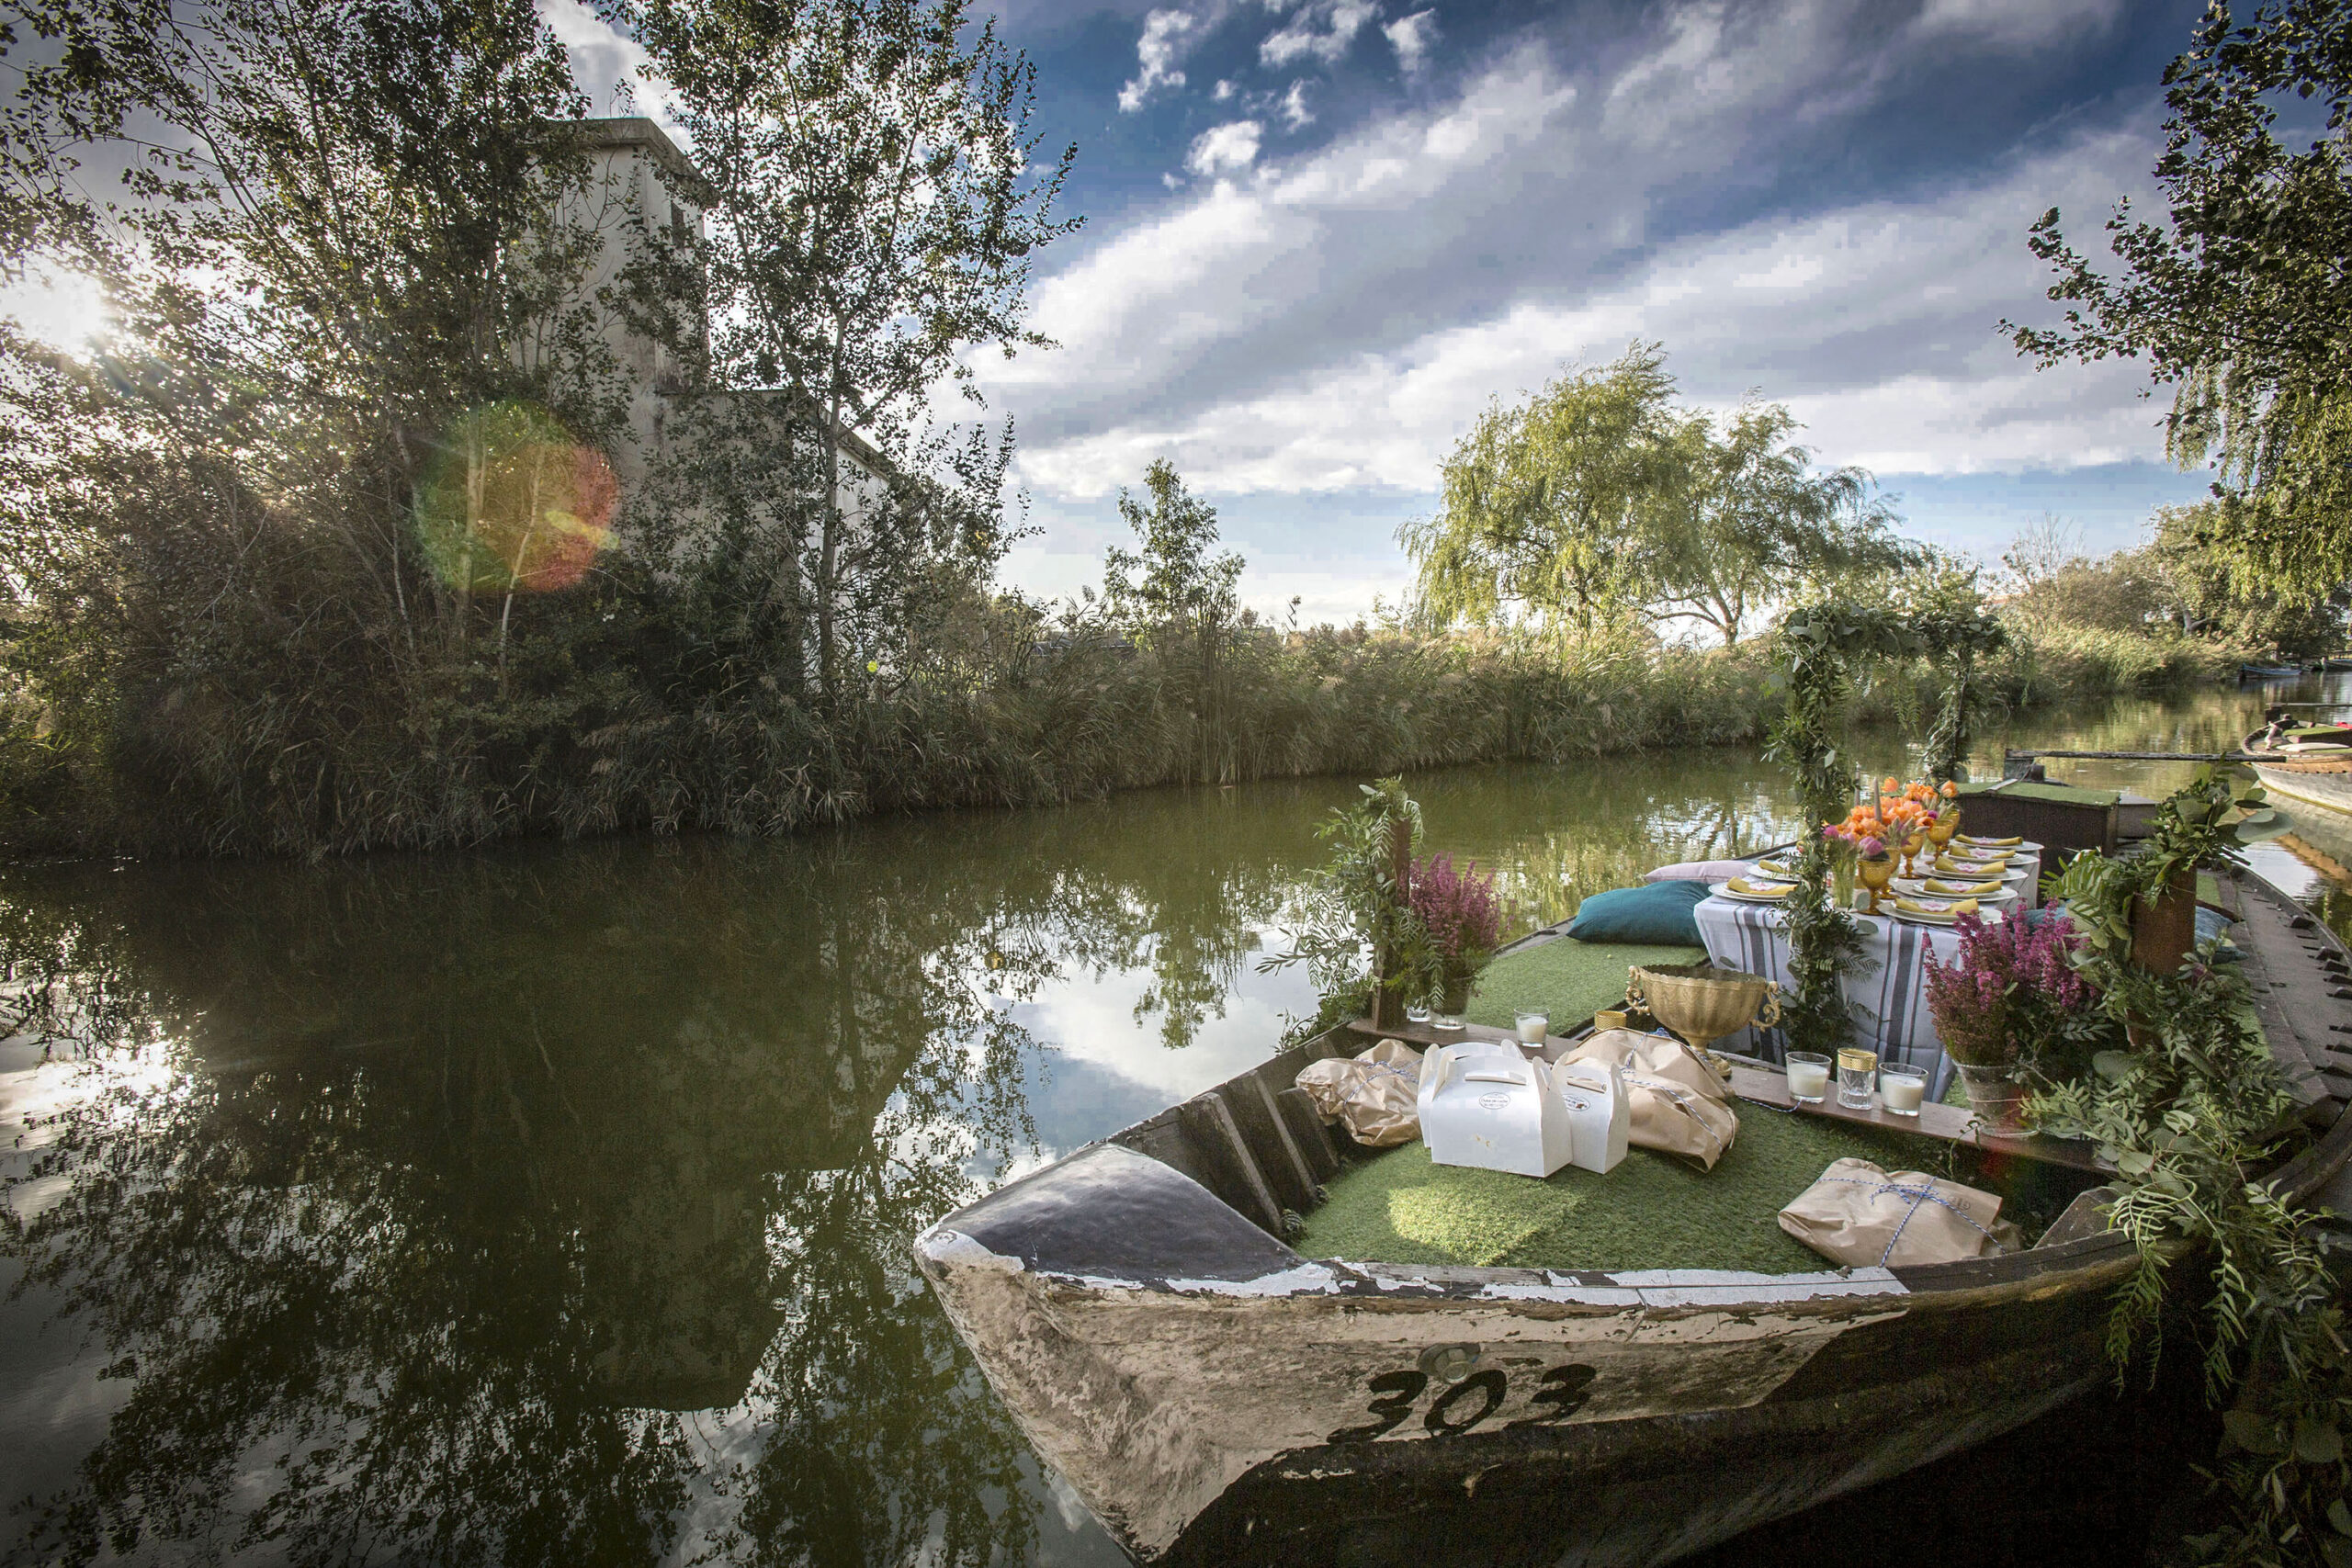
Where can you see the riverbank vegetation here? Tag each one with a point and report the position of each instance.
(429, 489)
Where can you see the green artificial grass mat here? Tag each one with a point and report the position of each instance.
(1653, 1211)
(2064, 795)
(1570, 980)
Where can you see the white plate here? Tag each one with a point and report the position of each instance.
(2011, 874)
(1942, 922)
(1917, 889)
(2020, 847)
(1723, 890)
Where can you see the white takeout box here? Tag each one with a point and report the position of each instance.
(1601, 1118)
(1483, 1104)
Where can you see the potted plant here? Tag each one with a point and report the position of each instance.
(1460, 921)
(2145, 904)
(2013, 1007)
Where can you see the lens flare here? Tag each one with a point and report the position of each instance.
(512, 501)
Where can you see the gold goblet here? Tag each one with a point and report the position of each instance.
(1876, 872)
(1912, 843)
(1941, 830)
(1702, 1003)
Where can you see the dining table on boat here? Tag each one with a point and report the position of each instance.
(1886, 992)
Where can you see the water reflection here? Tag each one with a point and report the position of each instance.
(551, 1205)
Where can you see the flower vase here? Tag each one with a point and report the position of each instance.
(1841, 882)
(1997, 1099)
(1455, 1001)
(2164, 932)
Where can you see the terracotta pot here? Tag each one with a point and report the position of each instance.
(2164, 932)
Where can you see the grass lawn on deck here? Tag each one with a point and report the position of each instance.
(1653, 1211)
(1568, 979)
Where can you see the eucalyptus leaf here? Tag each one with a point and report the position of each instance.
(2318, 1442)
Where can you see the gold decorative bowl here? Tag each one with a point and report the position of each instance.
(1702, 1003)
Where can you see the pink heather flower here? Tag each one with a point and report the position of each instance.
(1459, 909)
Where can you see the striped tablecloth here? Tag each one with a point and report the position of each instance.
(1886, 995)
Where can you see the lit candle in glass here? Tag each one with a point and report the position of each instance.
(1534, 1027)
(1808, 1078)
(1901, 1089)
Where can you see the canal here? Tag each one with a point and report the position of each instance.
(549, 1204)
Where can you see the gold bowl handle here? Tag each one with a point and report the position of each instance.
(1771, 1014)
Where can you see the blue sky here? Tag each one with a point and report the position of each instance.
(1321, 234)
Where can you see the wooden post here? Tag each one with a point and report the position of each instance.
(1387, 1004)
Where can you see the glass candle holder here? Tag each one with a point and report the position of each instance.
(1417, 1012)
(1534, 1027)
(1808, 1077)
(1608, 1017)
(1902, 1089)
(1445, 1020)
(1855, 1070)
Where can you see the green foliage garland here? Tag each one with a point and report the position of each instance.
(1961, 636)
(1816, 645)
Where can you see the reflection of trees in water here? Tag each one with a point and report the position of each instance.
(465, 1174)
(449, 1184)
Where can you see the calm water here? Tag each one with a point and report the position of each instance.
(550, 1205)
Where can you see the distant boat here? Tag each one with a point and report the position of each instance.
(2339, 662)
(2269, 672)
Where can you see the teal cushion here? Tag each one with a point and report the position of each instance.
(1658, 913)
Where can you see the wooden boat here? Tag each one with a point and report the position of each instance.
(2269, 672)
(2312, 768)
(1214, 1396)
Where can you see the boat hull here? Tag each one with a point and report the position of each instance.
(2326, 783)
(1213, 1397)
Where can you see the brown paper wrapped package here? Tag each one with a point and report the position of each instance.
(1679, 1105)
(1861, 1216)
(1377, 1097)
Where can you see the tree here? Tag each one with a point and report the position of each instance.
(1552, 504)
(345, 268)
(1182, 586)
(2198, 592)
(1760, 524)
(874, 214)
(2242, 301)
(1184, 593)
(1601, 500)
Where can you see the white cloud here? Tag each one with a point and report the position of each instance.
(1334, 323)
(1225, 148)
(2013, 24)
(1223, 91)
(607, 64)
(1157, 51)
(1872, 323)
(1412, 37)
(1343, 20)
(1295, 113)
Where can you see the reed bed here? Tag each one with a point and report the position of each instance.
(1034, 721)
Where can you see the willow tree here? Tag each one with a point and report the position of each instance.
(1760, 524)
(873, 210)
(2241, 301)
(1602, 499)
(1552, 504)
